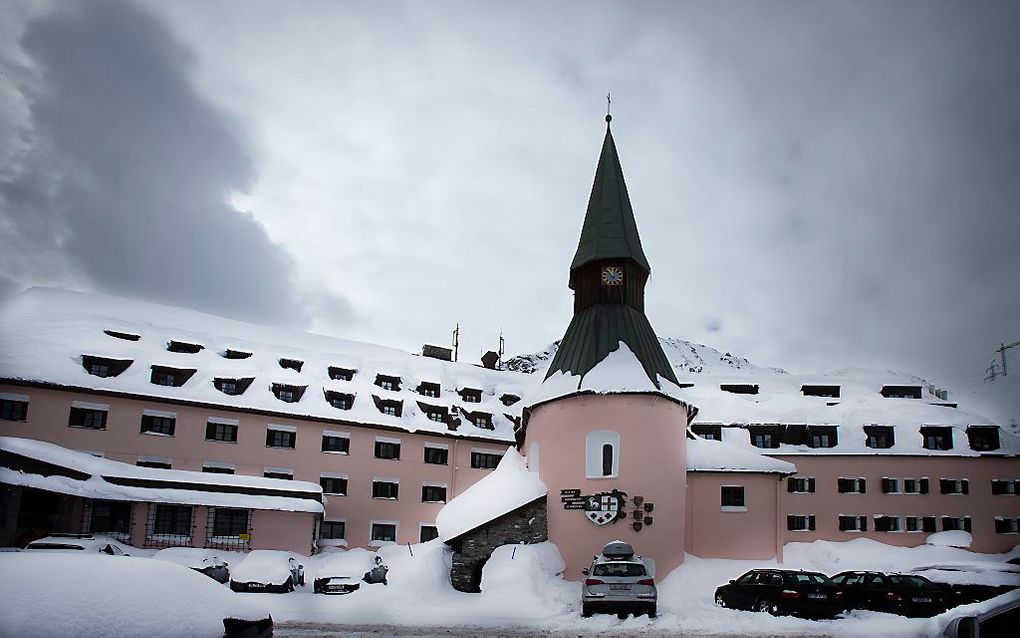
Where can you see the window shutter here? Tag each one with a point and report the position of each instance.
(862, 523)
(791, 522)
(791, 485)
(842, 485)
(997, 488)
(887, 485)
(844, 523)
(1001, 526)
(945, 486)
(945, 522)
(966, 486)
(924, 485)
(1016, 487)
(966, 523)
(864, 486)
(811, 522)
(811, 485)
(929, 524)
(881, 524)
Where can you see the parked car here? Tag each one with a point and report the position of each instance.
(618, 582)
(86, 543)
(782, 591)
(340, 572)
(203, 561)
(988, 619)
(904, 594)
(268, 570)
(968, 582)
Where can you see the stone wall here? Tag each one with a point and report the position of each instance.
(526, 524)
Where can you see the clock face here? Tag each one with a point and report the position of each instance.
(612, 276)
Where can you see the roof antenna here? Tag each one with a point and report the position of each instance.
(609, 103)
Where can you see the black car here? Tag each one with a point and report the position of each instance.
(904, 594)
(782, 591)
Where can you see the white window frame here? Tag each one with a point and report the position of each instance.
(593, 443)
(396, 533)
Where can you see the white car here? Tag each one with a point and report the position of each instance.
(268, 570)
(91, 544)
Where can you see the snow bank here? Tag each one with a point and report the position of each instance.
(951, 538)
(505, 489)
(70, 594)
(198, 558)
(530, 576)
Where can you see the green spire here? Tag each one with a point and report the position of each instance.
(609, 230)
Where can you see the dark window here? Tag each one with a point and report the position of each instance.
(103, 366)
(956, 523)
(831, 391)
(387, 450)
(158, 424)
(87, 418)
(912, 523)
(821, 437)
(984, 438)
(887, 524)
(291, 364)
(221, 432)
(879, 436)
(173, 520)
(340, 444)
(890, 486)
(607, 459)
(385, 489)
(954, 486)
(915, 486)
(851, 485)
(428, 389)
(340, 374)
(332, 530)
(929, 523)
(230, 522)
(435, 415)
(509, 399)
(433, 494)
(110, 517)
(333, 485)
(280, 438)
(428, 532)
(385, 532)
(185, 347)
(713, 432)
(853, 523)
(233, 387)
(732, 496)
(11, 410)
(937, 438)
(340, 400)
(288, 393)
(1007, 525)
(1005, 487)
(236, 354)
(482, 420)
(800, 485)
(437, 455)
(171, 377)
(484, 460)
(217, 469)
(764, 437)
(285, 475)
(159, 465)
(800, 522)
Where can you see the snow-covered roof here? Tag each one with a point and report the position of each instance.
(508, 487)
(114, 480)
(45, 332)
(704, 455)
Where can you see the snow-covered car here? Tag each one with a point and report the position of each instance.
(268, 570)
(84, 594)
(343, 572)
(618, 582)
(91, 544)
(999, 616)
(968, 582)
(203, 561)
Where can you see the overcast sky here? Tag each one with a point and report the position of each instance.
(817, 185)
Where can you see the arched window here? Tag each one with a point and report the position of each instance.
(602, 454)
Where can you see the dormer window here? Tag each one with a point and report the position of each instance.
(831, 391)
(339, 400)
(901, 391)
(509, 399)
(764, 436)
(184, 346)
(428, 389)
(389, 407)
(288, 393)
(172, 377)
(235, 354)
(341, 374)
(708, 431)
(434, 412)
(126, 336)
(291, 364)
(470, 395)
(387, 382)
(983, 438)
(937, 437)
(103, 366)
(482, 420)
(233, 387)
(821, 436)
(879, 437)
(739, 388)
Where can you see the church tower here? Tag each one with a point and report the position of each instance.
(605, 431)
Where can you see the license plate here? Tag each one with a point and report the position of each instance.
(620, 587)
(817, 596)
(922, 600)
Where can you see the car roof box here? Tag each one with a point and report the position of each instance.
(618, 549)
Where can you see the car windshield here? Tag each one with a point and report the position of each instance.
(619, 569)
(912, 582)
(806, 579)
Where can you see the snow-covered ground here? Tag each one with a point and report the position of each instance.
(522, 591)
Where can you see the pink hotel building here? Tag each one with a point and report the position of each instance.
(217, 433)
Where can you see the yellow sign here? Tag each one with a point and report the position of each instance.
(244, 537)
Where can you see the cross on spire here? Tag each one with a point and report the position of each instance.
(609, 103)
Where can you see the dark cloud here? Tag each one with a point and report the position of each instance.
(126, 172)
